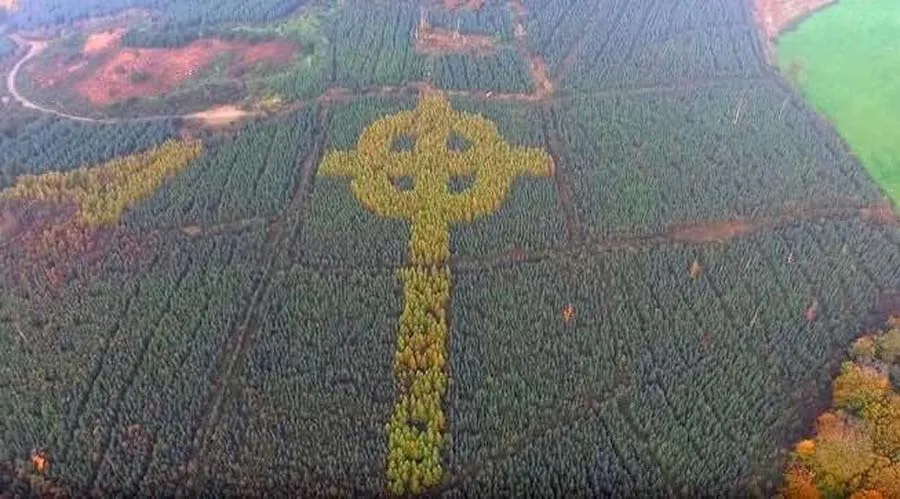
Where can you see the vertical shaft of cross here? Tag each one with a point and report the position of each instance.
(429, 242)
(417, 427)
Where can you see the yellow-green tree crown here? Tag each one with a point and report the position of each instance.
(103, 193)
(430, 206)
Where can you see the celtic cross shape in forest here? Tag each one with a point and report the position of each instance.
(415, 432)
(430, 206)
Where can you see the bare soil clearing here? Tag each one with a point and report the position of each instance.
(881, 213)
(98, 43)
(437, 41)
(127, 73)
(713, 232)
(221, 116)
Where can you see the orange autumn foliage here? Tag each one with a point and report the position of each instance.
(568, 314)
(858, 386)
(844, 451)
(863, 347)
(883, 417)
(696, 270)
(799, 484)
(857, 445)
(885, 480)
(39, 461)
(805, 448)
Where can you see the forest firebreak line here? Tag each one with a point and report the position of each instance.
(573, 227)
(673, 234)
(286, 223)
(676, 234)
(574, 51)
(584, 407)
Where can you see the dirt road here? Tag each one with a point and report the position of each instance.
(214, 116)
(34, 49)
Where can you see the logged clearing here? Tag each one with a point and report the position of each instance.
(130, 72)
(9, 5)
(435, 41)
(97, 43)
(776, 15)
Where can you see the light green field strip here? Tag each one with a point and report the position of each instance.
(846, 59)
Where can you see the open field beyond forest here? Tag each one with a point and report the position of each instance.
(844, 59)
(460, 248)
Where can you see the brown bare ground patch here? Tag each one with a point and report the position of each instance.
(774, 16)
(881, 213)
(462, 4)
(130, 72)
(436, 41)
(221, 115)
(711, 232)
(192, 230)
(542, 83)
(98, 43)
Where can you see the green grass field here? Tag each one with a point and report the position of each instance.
(846, 59)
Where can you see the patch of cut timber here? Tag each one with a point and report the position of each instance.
(430, 40)
(437, 41)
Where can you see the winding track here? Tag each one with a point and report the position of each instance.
(35, 48)
(334, 94)
(338, 94)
